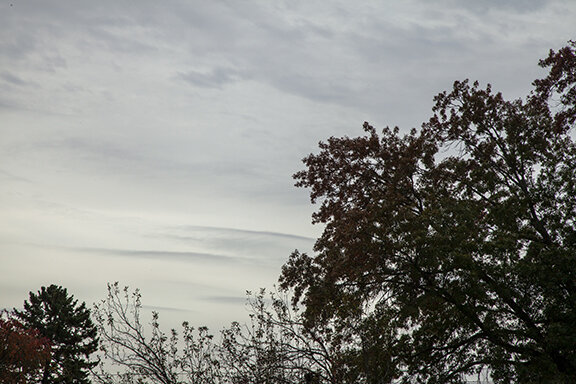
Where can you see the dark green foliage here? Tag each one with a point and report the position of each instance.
(67, 324)
(453, 248)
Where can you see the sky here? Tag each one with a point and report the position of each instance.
(153, 142)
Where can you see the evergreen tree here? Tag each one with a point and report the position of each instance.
(58, 317)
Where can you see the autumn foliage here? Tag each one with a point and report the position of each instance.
(453, 247)
(23, 352)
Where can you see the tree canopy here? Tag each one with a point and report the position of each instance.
(58, 317)
(23, 352)
(455, 243)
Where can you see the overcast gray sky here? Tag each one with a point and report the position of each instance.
(153, 142)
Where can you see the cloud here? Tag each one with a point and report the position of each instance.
(268, 247)
(225, 299)
(15, 80)
(523, 6)
(247, 232)
(216, 78)
(161, 255)
(157, 308)
(10, 177)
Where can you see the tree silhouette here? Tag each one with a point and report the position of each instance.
(273, 347)
(457, 240)
(67, 324)
(149, 355)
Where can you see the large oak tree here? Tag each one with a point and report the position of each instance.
(453, 248)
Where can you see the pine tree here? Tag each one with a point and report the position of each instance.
(58, 317)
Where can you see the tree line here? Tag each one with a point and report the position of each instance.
(448, 253)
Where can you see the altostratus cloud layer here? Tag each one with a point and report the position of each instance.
(153, 142)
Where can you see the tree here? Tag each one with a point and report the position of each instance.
(67, 324)
(454, 244)
(276, 347)
(23, 352)
(149, 355)
(273, 348)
